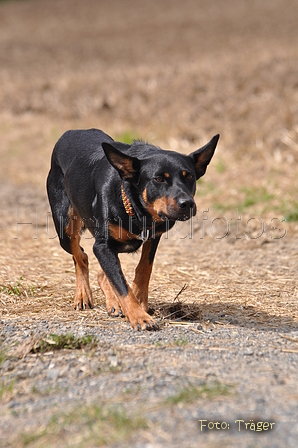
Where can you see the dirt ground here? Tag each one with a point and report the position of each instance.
(224, 291)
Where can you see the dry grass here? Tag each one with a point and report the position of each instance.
(243, 283)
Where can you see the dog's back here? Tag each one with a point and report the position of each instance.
(78, 146)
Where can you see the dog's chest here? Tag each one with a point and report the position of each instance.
(129, 246)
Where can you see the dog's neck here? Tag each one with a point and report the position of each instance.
(134, 209)
(126, 202)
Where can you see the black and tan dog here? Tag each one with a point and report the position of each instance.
(126, 196)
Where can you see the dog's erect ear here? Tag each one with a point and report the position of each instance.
(201, 157)
(127, 166)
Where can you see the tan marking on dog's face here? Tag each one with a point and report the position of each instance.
(167, 175)
(150, 206)
(160, 205)
(184, 173)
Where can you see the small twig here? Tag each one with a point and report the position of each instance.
(288, 338)
(171, 314)
(196, 331)
(184, 287)
(83, 376)
(174, 322)
(286, 350)
(211, 348)
(92, 324)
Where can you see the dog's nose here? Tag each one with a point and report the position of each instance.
(185, 204)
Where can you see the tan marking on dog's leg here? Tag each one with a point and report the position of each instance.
(83, 297)
(112, 303)
(129, 305)
(143, 271)
(138, 318)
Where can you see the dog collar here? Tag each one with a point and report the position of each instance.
(126, 202)
(145, 233)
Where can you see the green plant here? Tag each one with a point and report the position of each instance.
(204, 187)
(13, 289)
(180, 342)
(18, 288)
(192, 393)
(291, 213)
(99, 425)
(220, 166)
(61, 341)
(127, 137)
(6, 388)
(251, 196)
(2, 355)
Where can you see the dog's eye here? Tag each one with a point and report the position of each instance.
(189, 176)
(159, 179)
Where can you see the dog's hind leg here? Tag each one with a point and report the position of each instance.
(112, 304)
(68, 225)
(60, 204)
(83, 297)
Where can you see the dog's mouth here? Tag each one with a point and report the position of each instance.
(162, 216)
(177, 215)
(166, 209)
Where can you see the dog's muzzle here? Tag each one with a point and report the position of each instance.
(182, 209)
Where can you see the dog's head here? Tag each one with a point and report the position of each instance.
(165, 180)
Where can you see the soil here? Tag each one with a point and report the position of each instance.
(224, 290)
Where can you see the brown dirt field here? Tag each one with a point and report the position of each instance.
(173, 73)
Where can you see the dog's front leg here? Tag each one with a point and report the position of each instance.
(143, 272)
(109, 261)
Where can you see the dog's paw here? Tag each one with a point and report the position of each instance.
(142, 321)
(115, 311)
(113, 307)
(81, 305)
(83, 299)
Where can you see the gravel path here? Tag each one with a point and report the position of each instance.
(223, 374)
